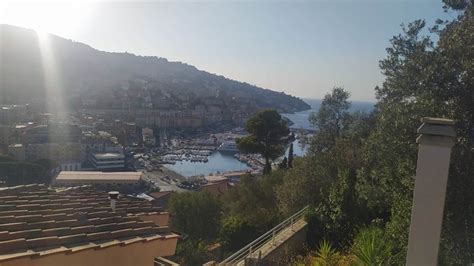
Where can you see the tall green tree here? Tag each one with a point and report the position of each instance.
(290, 156)
(249, 210)
(196, 214)
(268, 135)
(304, 184)
(330, 119)
(236, 233)
(283, 164)
(424, 78)
(253, 201)
(327, 178)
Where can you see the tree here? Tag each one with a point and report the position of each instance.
(327, 177)
(236, 233)
(14, 172)
(21, 173)
(253, 201)
(424, 78)
(290, 156)
(330, 119)
(302, 185)
(283, 164)
(268, 135)
(196, 214)
(192, 252)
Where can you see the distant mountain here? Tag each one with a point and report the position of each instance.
(81, 69)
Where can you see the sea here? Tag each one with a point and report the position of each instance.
(224, 162)
(301, 119)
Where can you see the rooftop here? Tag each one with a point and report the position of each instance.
(37, 221)
(98, 176)
(216, 188)
(215, 178)
(17, 145)
(235, 173)
(108, 155)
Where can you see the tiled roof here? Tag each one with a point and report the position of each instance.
(160, 194)
(35, 221)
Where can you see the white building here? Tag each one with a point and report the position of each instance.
(108, 160)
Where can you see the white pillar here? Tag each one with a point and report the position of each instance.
(434, 153)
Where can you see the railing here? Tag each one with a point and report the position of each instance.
(160, 261)
(269, 236)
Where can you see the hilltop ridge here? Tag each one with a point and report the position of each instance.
(82, 71)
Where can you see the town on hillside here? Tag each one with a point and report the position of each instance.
(318, 133)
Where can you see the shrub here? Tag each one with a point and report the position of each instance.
(371, 247)
(326, 255)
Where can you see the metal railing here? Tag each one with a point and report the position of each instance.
(269, 236)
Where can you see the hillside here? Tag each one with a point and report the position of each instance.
(82, 70)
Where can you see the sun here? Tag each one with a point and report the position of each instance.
(60, 18)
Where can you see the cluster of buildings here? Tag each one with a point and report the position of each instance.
(150, 117)
(148, 104)
(87, 216)
(67, 145)
(78, 143)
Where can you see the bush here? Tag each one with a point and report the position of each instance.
(326, 255)
(371, 247)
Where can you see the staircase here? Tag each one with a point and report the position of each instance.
(269, 245)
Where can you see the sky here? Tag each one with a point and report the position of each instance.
(303, 48)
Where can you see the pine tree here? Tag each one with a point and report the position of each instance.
(283, 164)
(290, 156)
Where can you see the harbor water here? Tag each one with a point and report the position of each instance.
(226, 162)
(217, 162)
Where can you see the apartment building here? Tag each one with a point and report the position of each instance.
(107, 160)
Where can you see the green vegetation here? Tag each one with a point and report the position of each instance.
(290, 156)
(327, 255)
(358, 174)
(15, 173)
(196, 214)
(372, 248)
(268, 135)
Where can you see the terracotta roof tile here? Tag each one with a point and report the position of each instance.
(37, 221)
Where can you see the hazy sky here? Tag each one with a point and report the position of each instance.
(301, 47)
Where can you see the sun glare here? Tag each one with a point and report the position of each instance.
(60, 18)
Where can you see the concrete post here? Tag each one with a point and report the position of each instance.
(434, 153)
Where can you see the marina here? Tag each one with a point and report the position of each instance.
(214, 155)
(217, 163)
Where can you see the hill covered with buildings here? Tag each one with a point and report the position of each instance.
(33, 65)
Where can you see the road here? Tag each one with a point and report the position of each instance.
(164, 186)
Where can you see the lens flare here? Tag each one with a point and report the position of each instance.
(55, 102)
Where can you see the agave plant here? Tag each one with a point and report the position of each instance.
(326, 255)
(371, 247)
